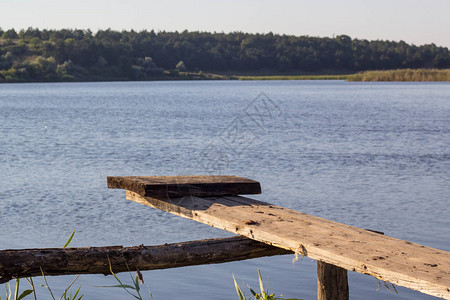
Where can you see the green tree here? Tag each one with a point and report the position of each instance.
(148, 66)
(30, 33)
(46, 67)
(6, 61)
(35, 44)
(10, 34)
(125, 67)
(181, 66)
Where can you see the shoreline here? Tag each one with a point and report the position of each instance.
(399, 75)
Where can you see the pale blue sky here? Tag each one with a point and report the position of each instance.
(413, 21)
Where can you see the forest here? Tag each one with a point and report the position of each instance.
(33, 55)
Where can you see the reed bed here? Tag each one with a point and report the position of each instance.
(403, 75)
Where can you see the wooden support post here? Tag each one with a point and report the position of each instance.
(332, 282)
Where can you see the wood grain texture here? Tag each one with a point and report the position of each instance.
(332, 282)
(94, 260)
(178, 186)
(397, 261)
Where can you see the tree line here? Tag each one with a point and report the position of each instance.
(72, 54)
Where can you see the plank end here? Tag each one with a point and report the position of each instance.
(179, 186)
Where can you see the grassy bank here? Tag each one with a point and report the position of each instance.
(296, 77)
(388, 75)
(402, 75)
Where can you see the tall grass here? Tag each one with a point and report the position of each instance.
(402, 75)
(135, 288)
(295, 77)
(66, 295)
(263, 293)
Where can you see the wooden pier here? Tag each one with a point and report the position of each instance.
(263, 229)
(332, 244)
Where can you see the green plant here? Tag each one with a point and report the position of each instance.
(64, 295)
(69, 240)
(129, 288)
(238, 290)
(16, 291)
(262, 295)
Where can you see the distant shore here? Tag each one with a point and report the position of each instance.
(75, 55)
(416, 75)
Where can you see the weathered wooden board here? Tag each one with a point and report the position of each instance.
(400, 262)
(178, 186)
(97, 260)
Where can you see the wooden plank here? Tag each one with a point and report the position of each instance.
(332, 282)
(178, 186)
(397, 261)
(94, 260)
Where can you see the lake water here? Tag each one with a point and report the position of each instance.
(371, 155)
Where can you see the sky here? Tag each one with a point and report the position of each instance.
(413, 21)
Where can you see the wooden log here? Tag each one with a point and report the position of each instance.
(94, 260)
(332, 282)
(178, 186)
(393, 260)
